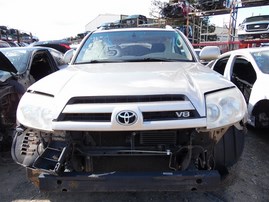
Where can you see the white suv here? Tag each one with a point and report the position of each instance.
(134, 111)
(255, 27)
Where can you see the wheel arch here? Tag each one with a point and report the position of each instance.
(260, 106)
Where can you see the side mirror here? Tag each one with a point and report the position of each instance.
(209, 53)
(68, 56)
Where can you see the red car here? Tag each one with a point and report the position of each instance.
(60, 45)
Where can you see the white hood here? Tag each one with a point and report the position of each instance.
(112, 79)
(129, 79)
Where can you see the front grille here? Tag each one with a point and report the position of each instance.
(93, 117)
(125, 99)
(147, 116)
(257, 27)
(75, 108)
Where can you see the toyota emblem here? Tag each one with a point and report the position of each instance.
(126, 118)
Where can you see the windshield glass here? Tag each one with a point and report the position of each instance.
(134, 45)
(257, 18)
(19, 58)
(262, 58)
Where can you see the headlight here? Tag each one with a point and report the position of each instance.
(225, 108)
(36, 111)
(241, 27)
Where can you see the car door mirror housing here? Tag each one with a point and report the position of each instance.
(209, 53)
(68, 55)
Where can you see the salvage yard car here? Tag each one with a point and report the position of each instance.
(254, 27)
(249, 70)
(60, 45)
(19, 68)
(135, 110)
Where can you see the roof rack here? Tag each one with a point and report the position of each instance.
(148, 25)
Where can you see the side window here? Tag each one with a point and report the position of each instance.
(41, 66)
(243, 76)
(244, 70)
(220, 65)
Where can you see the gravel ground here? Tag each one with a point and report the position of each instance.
(251, 182)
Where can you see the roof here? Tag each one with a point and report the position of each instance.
(167, 28)
(246, 50)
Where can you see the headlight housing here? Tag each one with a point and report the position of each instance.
(241, 27)
(225, 107)
(36, 111)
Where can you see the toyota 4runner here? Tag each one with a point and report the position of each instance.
(134, 111)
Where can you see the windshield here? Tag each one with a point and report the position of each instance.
(257, 18)
(262, 58)
(134, 45)
(19, 58)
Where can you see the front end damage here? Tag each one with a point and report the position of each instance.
(120, 160)
(129, 143)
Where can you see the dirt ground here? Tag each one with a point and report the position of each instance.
(251, 182)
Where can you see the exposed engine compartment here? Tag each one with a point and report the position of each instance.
(97, 152)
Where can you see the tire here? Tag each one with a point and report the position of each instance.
(5, 141)
(229, 149)
(259, 120)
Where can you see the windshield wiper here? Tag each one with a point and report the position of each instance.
(89, 62)
(157, 59)
(150, 60)
(95, 61)
(129, 60)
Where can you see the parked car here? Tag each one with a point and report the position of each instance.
(109, 25)
(13, 44)
(132, 20)
(60, 45)
(19, 68)
(255, 27)
(134, 111)
(4, 44)
(249, 70)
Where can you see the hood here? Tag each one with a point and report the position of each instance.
(6, 65)
(116, 79)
